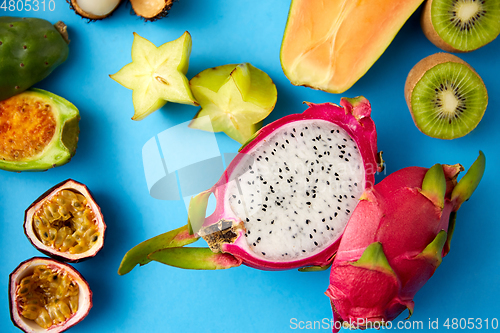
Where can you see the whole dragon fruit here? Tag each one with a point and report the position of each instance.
(284, 200)
(395, 240)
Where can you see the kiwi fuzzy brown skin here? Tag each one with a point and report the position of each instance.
(73, 5)
(432, 35)
(419, 70)
(161, 12)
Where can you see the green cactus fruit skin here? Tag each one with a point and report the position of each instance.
(30, 49)
(62, 146)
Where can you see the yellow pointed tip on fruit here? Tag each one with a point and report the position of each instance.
(236, 98)
(157, 75)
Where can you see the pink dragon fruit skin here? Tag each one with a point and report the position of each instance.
(394, 241)
(309, 219)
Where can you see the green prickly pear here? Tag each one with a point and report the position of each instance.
(30, 49)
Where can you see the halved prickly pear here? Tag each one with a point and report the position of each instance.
(30, 49)
(236, 97)
(47, 296)
(66, 223)
(157, 74)
(38, 131)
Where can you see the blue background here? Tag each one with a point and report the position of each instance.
(157, 298)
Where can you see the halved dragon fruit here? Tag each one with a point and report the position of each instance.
(285, 199)
(395, 240)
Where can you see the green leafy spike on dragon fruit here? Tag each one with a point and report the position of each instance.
(30, 49)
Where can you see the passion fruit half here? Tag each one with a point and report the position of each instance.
(38, 131)
(47, 296)
(66, 223)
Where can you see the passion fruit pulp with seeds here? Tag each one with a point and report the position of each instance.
(46, 295)
(38, 131)
(66, 223)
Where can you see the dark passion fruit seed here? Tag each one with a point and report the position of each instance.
(66, 223)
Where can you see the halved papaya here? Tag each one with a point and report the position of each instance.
(331, 44)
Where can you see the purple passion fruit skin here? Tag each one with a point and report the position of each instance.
(66, 223)
(34, 304)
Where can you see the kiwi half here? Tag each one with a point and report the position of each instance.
(461, 25)
(446, 97)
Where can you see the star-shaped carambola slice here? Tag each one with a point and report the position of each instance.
(236, 97)
(157, 74)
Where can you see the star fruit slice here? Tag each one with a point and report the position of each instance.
(157, 74)
(236, 97)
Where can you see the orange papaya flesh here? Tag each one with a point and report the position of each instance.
(330, 44)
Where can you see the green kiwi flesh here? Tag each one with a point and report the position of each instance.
(462, 25)
(446, 97)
